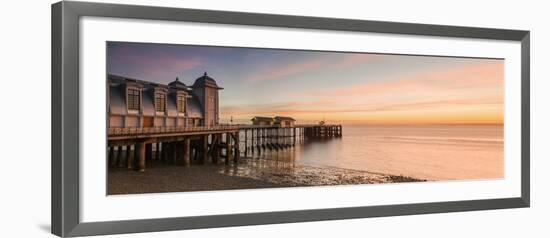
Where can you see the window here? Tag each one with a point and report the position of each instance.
(160, 102)
(181, 104)
(133, 99)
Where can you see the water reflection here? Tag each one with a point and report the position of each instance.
(426, 152)
(282, 167)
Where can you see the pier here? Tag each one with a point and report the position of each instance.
(133, 147)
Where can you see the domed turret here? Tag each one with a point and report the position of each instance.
(205, 81)
(206, 89)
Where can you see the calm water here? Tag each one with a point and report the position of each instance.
(426, 152)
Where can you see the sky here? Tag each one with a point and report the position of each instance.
(339, 87)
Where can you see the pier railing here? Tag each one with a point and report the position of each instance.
(158, 130)
(256, 126)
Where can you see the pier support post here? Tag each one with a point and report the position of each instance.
(228, 148)
(115, 156)
(174, 152)
(252, 142)
(173, 155)
(314, 132)
(245, 142)
(258, 142)
(279, 137)
(283, 137)
(215, 147)
(148, 152)
(140, 156)
(121, 156)
(204, 144)
(118, 154)
(111, 156)
(170, 153)
(157, 151)
(167, 151)
(294, 136)
(186, 153)
(237, 149)
(129, 157)
(163, 152)
(269, 139)
(266, 138)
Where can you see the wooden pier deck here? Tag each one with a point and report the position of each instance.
(132, 147)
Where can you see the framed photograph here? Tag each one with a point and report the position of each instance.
(170, 119)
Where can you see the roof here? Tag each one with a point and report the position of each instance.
(117, 97)
(205, 81)
(177, 84)
(262, 119)
(121, 79)
(277, 118)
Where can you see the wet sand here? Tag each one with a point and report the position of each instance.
(248, 174)
(162, 178)
(290, 174)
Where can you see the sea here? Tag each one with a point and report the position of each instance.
(432, 152)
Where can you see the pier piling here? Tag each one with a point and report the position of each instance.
(129, 156)
(140, 157)
(122, 154)
(187, 151)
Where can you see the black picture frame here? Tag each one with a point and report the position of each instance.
(65, 118)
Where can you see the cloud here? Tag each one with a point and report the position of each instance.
(333, 107)
(287, 69)
(329, 62)
(356, 59)
(461, 79)
(149, 64)
(271, 109)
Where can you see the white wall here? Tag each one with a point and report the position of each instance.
(25, 172)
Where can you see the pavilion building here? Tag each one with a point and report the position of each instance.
(138, 103)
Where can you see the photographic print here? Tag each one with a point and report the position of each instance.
(203, 118)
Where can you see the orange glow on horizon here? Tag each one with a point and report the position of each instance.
(471, 94)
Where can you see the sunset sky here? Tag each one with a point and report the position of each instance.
(348, 88)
